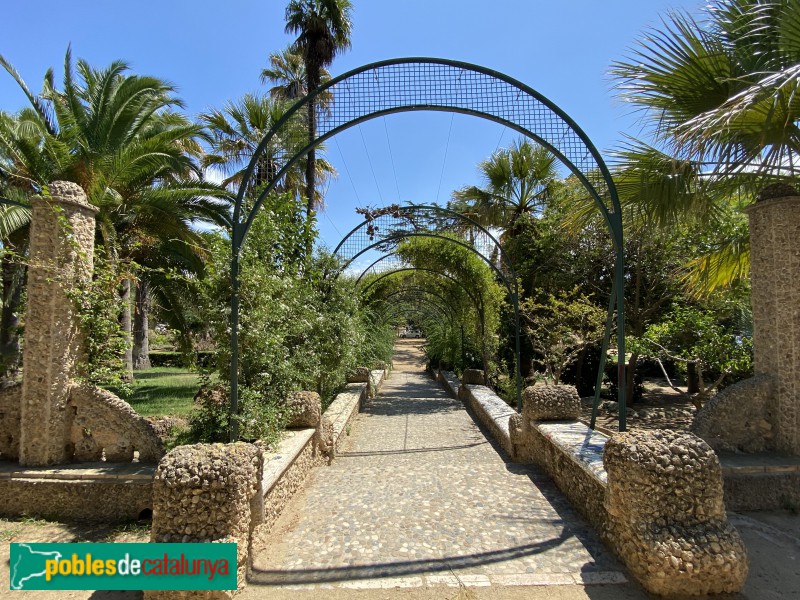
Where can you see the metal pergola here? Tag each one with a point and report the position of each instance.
(426, 84)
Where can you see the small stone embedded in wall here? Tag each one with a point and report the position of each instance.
(358, 375)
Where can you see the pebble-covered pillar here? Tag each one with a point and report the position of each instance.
(666, 515)
(775, 276)
(61, 254)
(208, 493)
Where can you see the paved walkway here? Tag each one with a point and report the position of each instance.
(419, 498)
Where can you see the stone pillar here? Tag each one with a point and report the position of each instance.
(61, 253)
(775, 275)
(666, 516)
(208, 493)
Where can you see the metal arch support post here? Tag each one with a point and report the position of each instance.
(518, 345)
(619, 283)
(233, 416)
(603, 354)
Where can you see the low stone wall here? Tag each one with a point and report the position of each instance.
(98, 492)
(449, 381)
(208, 493)
(344, 409)
(491, 411)
(760, 482)
(655, 497)
(376, 377)
(767, 491)
(285, 470)
(255, 484)
(572, 454)
(666, 516)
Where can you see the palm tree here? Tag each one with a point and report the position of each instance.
(323, 29)
(236, 131)
(118, 137)
(14, 221)
(287, 73)
(720, 99)
(166, 270)
(519, 180)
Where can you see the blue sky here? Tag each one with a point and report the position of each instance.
(214, 51)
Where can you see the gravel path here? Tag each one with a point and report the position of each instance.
(420, 497)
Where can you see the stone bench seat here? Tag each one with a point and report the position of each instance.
(344, 408)
(450, 382)
(580, 443)
(491, 410)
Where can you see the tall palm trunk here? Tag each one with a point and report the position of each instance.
(141, 326)
(312, 159)
(126, 324)
(313, 77)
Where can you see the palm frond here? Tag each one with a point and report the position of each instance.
(721, 267)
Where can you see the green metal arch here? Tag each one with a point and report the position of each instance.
(441, 311)
(475, 301)
(572, 126)
(421, 290)
(447, 212)
(393, 299)
(578, 154)
(512, 291)
(408, 311)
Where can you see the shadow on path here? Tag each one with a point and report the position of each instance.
(401, 568)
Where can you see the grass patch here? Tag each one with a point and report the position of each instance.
(164, 391)
(132, 528)
(8, 529)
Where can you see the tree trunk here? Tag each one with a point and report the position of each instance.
(312, 77)
(126, 324)
(692, 378)
(13, 281)
(141, 327)
(311, 162)
(580, 361)
(630, 378)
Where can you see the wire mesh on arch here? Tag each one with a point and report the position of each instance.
(429, 84)
(383, 229)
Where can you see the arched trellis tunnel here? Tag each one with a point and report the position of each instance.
(424, 84)
(385, 229)
(416, 296)
(436, 289)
